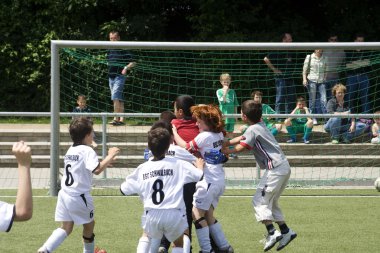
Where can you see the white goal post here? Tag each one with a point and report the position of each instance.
(56, 45)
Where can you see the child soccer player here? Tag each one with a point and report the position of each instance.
(22, 210)
(159, 182)
(75, 204)
(270, 157)
(227, 103)
(272, 126)
(376, 128)
(299, 125)
(206, 198)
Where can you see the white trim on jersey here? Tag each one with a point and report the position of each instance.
(80, 162)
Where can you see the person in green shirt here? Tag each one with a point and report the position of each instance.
(299, 125)
(270, 123)
(228, 104)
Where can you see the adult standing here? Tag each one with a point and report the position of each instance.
(282, 65)
(314, 77)
(336, 59)
(358, 66)
(119, 62)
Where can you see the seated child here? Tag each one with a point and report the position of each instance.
(299, 125)
(271, 124)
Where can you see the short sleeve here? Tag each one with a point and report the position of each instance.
(249, 139)
(131, 185)
(7, 213)
(91, 160)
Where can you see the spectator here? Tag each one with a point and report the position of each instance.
(274, 127)
(341, 128)
(281, 63)
(227, 104)
(376, 128)
(358, 65)
(314, 78)
(299, 125)
(82, 107)
(117, 76)
(335, 61)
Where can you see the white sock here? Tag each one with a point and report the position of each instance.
(203, 235)
(177, 250)
(55, 239)
(186, 244)
(218, 236)
(89, 247)
(143, 246)
(154, 245)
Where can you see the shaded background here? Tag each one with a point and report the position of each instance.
(26, 28)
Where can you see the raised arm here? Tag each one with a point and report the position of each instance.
(24, 200)
(112, 153)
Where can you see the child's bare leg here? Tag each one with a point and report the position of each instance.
(88, 237)
(24, 200)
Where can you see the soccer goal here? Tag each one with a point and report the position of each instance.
(165, 70)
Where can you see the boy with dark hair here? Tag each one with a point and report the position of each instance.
(159, 182)
(270, 158)
(75, 204)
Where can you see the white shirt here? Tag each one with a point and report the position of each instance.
(80, 161)
(178, 152)
(206, 141)
(7, 213)
(315, 68)
(160, 183)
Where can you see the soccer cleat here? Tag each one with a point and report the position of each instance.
(271, 240)
(42, 250)
(162, 250)
(306, 141)
(286, 239)
(334, 141)
(291, 141)
(228, 250)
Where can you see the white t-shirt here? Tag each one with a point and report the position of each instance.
(7, 213)
(206, 141)
(80, 161)
(160, 183)
(178, 152)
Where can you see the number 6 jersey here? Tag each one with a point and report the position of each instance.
(160, 183)
(80, 161)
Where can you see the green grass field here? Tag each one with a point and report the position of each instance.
(331, 221)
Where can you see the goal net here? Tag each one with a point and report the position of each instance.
(165, 70)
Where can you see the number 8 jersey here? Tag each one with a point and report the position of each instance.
(80, 161)
(160, 183)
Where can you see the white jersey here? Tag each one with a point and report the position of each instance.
(7, 213)
(206, 141)
(160, 183)
(80, 162)
(178, 152)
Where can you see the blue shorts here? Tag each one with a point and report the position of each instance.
(117, 87)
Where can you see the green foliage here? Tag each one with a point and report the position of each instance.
(26, 28)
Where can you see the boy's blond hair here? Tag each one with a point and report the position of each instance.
(224, 76)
